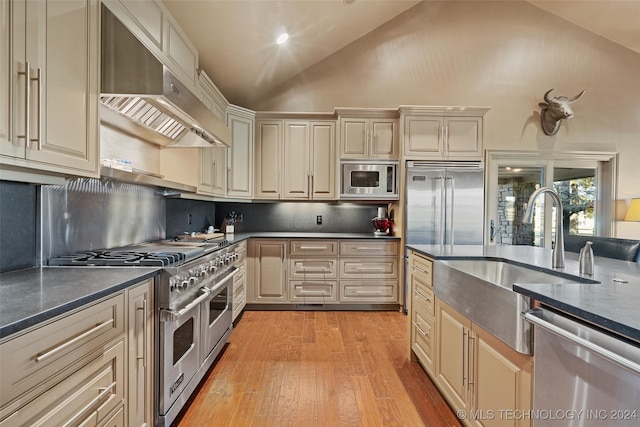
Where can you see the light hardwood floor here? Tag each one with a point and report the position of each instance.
(316, 368)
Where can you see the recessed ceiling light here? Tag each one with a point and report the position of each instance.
(282, 38)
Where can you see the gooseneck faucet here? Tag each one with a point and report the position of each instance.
(558, 249)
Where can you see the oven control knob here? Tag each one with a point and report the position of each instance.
(183, 285)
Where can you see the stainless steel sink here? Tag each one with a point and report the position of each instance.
(482, 290)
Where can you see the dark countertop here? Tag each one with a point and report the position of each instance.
(610, 304)
(33, 295)
(237, 237)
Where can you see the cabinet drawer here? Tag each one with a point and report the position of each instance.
(85, 397)
(313, 292)
(314, 268)
(368, 291)
(314, 247)
(36, 360)
(368, 248)
(240, 278)
(422, 338)
(371, 268)
(422, 294)
(422, 267)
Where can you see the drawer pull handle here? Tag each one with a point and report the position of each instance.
(42, 356)
(103, 392)
(367, 248)
(304, 292)
(314, 248)
(422, 296)
(420, 270)
(369, 292)
(423, 333)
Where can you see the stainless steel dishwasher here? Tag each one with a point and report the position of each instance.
(583, 376)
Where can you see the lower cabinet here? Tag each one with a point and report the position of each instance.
(240, 279)
(479, 374)
(324, 271)
(92, 367)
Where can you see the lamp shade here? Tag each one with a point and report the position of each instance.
(633, 213)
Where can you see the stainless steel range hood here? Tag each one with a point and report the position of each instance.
(141, 96)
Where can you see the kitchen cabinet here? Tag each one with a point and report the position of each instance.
(269, 258)
(140, 354)
(295, 159)
(436, 133)
(369, 271)
(477, 372)
(155, 27)
(49, 101)
(313, 271)
(240, 279)
(213, 161)
(422, 310)
(240, 155)
(368, 133)
(268, 158)
(92, 366)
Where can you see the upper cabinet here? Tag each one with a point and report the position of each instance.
(368, 133)
(154, 26)
(49, 78)
(295, 158)
(441, 133)
(240, 155)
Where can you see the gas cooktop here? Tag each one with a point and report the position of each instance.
(119, 258)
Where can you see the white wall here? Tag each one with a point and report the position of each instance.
(503, 54)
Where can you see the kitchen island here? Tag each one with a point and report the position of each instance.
(611, 304)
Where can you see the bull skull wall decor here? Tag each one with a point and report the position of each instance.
(554, 109)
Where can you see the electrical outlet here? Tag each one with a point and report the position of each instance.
(189, 219)
(319, 219)
(240, 218)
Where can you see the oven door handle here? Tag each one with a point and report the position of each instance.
(175, 315)
(221, 283)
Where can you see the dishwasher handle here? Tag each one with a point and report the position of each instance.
(534, 317)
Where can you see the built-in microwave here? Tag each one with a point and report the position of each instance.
(368, 179)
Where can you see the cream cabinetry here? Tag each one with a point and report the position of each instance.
(369, 271)
(324, 271)
(313, 271)
(436, 133)
(213, 161)
(240, 279)
(368, 133)
(477, 372)
(269, 272)
(93, 366)
(268, 158)
(153, 25)
(140, 355)
(49, 75)
(240, 156)
(422, 310)
(295, 159)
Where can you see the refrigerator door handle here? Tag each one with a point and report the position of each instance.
(450, 197)
(440, 210)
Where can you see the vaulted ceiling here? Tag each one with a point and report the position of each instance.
(236, 38)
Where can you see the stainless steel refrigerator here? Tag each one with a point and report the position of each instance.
(445, 206)
(445, 203)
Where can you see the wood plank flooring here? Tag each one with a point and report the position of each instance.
(316, 368)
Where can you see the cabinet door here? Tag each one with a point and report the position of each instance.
(268, 159)
(6, 82)
(463, 136)
(270, 279)
(452, 359)
(323, 161)
(140, 355)
(296, 171)
(240, 156)
(422, 136)
(353, 138)
(502, 380)
(62, 49)
(382, 144)
(212, 171)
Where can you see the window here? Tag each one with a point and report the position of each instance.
(585, 183)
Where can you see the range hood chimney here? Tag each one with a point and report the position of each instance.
(141, 96)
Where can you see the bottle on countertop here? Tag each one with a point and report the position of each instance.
(586, 259)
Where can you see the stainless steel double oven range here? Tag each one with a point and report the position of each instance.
(194, 296)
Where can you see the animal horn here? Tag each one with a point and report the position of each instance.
(575, 98)
(546, 96)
